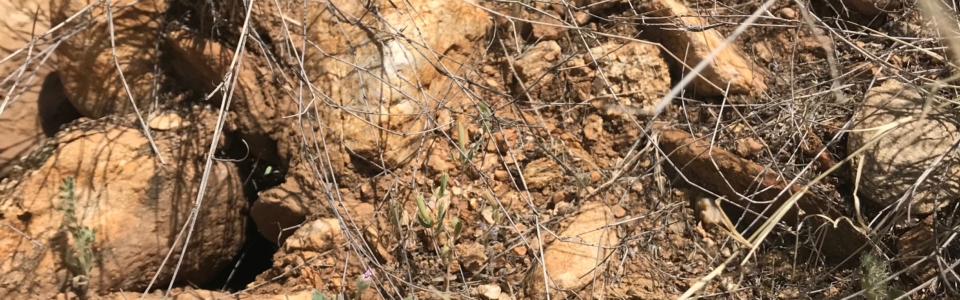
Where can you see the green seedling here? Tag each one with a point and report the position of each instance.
(873, 269)
(457, 227)
(79, 256)
(317, 295)
(465, 155)
(443, 186)
(423, 216)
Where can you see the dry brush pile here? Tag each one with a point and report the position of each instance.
(642, 149)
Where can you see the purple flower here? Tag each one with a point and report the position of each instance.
(364, 281)
(368, 275)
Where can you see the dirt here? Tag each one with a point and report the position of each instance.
(467, 149)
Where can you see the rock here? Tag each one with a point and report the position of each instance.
(136, 205)
(293, 201)
(593, 128)
(85, 61)
(317, 236)
(874, 7)
(542, 173)
(693, 46)
(729, 175)
(202, 64)
(489, 291)
(570, 264)
(168, 121)
(535, 68)
(895, 162)
(386, 125)
(541, 31)
(471, 256)
(37, 107)
(634, 71)
(915, 244)
(788, 13)
(748, 147)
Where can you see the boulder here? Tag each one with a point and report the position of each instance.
(896, 161)
(85, 62)
(136, 205)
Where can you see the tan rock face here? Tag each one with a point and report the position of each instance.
(136, 205)
(379, 85)
(571, 264)
(894, 163)
(36, 104)
(293, 201)
(85, 61)
(692, 47)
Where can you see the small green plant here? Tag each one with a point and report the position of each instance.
(434, 223)
(364, 281)
(464, 154)
(79, 256)
(873, 270)
(317, 295)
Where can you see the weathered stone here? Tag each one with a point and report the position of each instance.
(693, 46)
(896, 161)
(136, 205)
(542, 173)
(571, 264)
(85, 61)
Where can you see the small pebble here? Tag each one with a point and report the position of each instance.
(489, 291)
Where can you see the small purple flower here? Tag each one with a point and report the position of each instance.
(364, 281)
(368, 275)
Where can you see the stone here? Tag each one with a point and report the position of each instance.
(489, 291)
(85, 62)
(635, 72)
(37, 106)
(692, 47)
(548, 28)
(541, 173)
(290, 204)
(316, 236)
(136, 205)
(535, 68)
(748, 147)
(570, 264)
(471, 255)
(896, 161)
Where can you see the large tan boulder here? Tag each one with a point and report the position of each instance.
(85, 60)
(136, 205)
(894, 163)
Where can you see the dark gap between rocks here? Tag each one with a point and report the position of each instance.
(256, 256)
